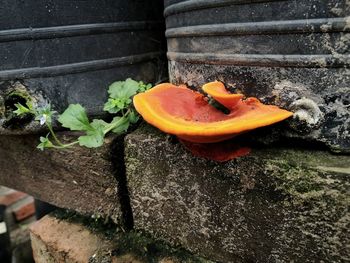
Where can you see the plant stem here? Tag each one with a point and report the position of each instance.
(54, 135)
(65, 145)
(70, 144)
(116, 124)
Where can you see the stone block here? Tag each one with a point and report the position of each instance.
(277, 204)
(80, 179)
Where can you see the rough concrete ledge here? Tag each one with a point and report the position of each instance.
(275, 205)
(80, 179)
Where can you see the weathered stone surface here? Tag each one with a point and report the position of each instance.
(79, 178)
(275, 205)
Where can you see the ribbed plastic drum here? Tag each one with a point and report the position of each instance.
(294, 54)
(63, 52)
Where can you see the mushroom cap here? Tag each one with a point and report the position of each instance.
(187, 114)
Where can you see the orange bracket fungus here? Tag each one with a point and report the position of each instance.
(187, 114)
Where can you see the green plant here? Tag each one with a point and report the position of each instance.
(76, 119)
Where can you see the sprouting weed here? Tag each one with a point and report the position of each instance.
(76, 119)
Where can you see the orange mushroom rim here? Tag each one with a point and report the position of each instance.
(187, 114)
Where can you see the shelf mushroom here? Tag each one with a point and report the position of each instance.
(187, 114)
(201, 127)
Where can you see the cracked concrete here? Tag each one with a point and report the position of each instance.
(274, 205)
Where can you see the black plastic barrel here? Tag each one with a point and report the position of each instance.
(294, 54)
(61, 52)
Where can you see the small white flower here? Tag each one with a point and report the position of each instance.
(43, 119)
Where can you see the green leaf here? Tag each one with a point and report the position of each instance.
(143, 87)
(122, 103)
(75, 118)
(29, 105)
(122, 124)
(115, 105)
(92, 140)
(133, 116)
(94, 137)
(123, 89)
(44, 143)
(21, 109)
(110, 106)
(97, 123)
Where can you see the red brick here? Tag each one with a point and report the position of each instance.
(61, 241)
(24, 211)
(11, 198)
(56, 240)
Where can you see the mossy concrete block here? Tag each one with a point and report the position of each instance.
(274, 205)
(80, 179)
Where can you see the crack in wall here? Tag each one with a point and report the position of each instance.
(119, 171)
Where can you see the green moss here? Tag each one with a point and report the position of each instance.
(295, 180)
(20, 93)
(150, 250)
(95, 223)
(2, 107)
(17, 95)
(309, 158)
(304, 185)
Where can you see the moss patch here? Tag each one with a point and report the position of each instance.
(150, 250)
(17, 95)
